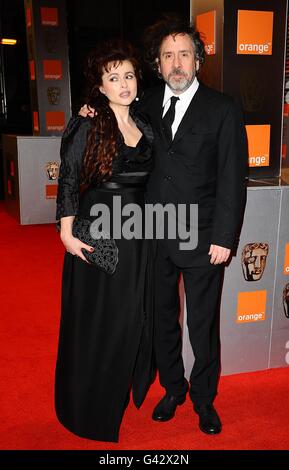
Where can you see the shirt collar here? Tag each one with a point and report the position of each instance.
(186, 96)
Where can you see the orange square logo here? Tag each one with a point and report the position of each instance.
(255, 32)
(259, 144)
(49, 16)
(206, 25)
(52, 69)
(12, 169)
(251, 306)
(32, 69)
(28, 17)
(51, 191)
(284, 151)
(286, 261)
(35, 121)
(55, 121)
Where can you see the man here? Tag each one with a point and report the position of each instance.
(200, 158)
(203, 162)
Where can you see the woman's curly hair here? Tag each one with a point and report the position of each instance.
(170, 25)
(103, 136)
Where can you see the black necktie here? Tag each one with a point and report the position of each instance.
(168, 119)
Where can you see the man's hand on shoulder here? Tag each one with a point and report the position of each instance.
(87, 111)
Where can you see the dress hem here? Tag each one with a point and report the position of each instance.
(85, 435)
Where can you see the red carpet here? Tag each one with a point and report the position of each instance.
(254, 407)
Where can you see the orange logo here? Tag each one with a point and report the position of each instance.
(259, 144)
(206, 25)
(251, 306)
(55, 120)
(255, 32)
(284, 151)
(35, 121)
(28, 17)
(51, 191)
(32, 69)
(12, 169)
(49, 16)
(52, 69)
(286, 261)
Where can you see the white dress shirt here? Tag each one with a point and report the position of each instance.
(181, 105)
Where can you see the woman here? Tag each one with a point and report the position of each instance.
(105, 342)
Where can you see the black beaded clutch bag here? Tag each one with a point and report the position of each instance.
(105, 254)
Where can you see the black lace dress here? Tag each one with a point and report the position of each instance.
(105, 341)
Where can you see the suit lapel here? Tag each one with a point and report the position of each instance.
(191, 116)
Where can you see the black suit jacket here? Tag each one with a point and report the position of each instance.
(206, 164)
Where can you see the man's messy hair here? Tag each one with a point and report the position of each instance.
(170, 25)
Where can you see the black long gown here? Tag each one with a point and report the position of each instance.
(105, 341)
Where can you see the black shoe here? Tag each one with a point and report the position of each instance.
(209, 421)
(166, 408)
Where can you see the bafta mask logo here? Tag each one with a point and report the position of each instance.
(50, 41)
(252, 91)
(286, 300)
(254, 257)
(52, 170)
(53, 95)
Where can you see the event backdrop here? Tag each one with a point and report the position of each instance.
(31, 168)
(255, 302)
(48, 65)
(245, 42)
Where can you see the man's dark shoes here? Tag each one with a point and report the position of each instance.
(209, 421)
(166, 408)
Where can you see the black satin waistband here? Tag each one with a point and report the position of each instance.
(116, 185)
